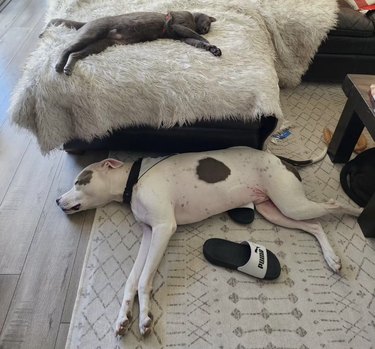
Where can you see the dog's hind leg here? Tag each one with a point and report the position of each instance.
(161, 235)
(269, 211)
(131, 286)
(332, 206)
(95, 47)
(301, 208)
(288, 195)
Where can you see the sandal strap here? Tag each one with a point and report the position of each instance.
(257, 264)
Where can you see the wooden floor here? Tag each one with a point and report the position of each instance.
(41, 249)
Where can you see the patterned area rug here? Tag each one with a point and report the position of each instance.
(197, 305)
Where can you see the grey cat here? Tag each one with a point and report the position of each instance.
(95, 36)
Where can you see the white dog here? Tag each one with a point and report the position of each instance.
(186, 188)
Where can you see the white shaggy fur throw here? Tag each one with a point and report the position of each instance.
(265, 43)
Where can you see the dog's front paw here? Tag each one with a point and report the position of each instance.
(145, 325)
(215, 50)
(123, 323)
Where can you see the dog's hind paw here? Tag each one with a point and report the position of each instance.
(145, 325)
(334, 262)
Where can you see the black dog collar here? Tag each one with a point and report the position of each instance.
(132, 181)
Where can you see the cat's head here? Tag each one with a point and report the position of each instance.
(203, 23)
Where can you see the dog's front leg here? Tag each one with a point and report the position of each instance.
(159, 241)
(125, 314)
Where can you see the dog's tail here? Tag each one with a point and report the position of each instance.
(301, 163)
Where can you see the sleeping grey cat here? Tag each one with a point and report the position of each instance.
(95, 36)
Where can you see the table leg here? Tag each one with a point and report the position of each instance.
(346, 134)
(367, 219)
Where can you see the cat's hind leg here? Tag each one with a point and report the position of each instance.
(95, 47)
(88, 34)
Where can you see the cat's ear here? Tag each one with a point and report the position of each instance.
(212, 19)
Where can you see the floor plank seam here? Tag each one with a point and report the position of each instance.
(4, 4)
(15, 172)
(28, 250)
(74, 260)
(11, 24)
(10, 305)
(26, 39)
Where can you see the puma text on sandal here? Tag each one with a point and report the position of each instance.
(247, 257)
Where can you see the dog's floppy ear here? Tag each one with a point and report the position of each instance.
(212, 19)
(111, 163)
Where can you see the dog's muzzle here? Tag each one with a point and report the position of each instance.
(74, 208)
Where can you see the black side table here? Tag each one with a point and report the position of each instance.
(358, 113)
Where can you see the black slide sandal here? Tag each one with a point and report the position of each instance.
(242, 215)
(247, 257)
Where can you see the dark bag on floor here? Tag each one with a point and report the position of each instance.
(357, 177)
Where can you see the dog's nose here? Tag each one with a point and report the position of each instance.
(58, 201)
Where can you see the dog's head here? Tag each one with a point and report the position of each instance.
(203, 22)
(92, 188)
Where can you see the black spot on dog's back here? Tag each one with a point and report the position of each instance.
(84, 178)
(211, 170)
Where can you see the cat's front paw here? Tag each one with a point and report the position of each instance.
(59, 67)
(68, 71)
(215, 50)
